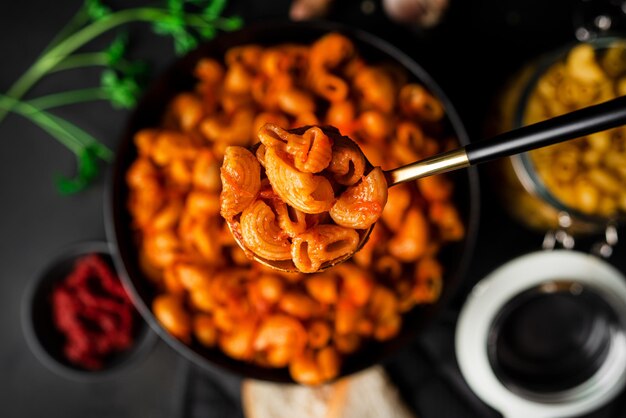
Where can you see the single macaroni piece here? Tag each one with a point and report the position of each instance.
(377, 88)
(279, 338)
(398, 201)
(330, 51)
(280, 200)
(291, 220)
(361, 205)
(342, 116)
(311, 151)
(348, 163)
(303, 191)
(241, 181)
(416, 101)
(321, 244)
(329, 86)
(262, 234)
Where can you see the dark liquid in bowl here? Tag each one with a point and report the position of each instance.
(551, 338)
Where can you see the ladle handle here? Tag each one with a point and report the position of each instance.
(572, 125)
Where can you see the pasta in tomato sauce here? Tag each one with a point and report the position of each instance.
(208, 292)
(296, 164)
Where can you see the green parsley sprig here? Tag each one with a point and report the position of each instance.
(186, 21)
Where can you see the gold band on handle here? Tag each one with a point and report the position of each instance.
(437, 164)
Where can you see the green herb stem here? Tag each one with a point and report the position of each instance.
(222, 23)
(67, 134)
(90, 59)
(78, 20)
(100, 150)
(43, 121)
(119, 81)
(67, 98)
(58, 53)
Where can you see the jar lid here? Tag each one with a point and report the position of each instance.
(545, 335)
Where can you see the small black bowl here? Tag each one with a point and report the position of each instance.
(46, 342)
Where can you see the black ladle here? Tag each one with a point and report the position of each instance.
(585, 121)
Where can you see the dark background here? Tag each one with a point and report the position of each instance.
(471, 54)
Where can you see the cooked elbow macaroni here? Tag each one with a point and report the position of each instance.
(295, 164)
(208, 292)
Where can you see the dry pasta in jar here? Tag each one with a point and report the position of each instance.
(585, 177)
(209, 292)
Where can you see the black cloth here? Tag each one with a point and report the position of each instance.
(211, 394)
(471, 54)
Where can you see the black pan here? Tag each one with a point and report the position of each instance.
(179, 78)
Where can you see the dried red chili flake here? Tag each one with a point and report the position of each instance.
(92, 310)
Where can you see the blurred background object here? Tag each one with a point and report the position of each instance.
(423, 13)
(420, 13)
(594, 18)
(369, 394)
(309, 9)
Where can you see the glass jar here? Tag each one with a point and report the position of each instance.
(582, 181)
